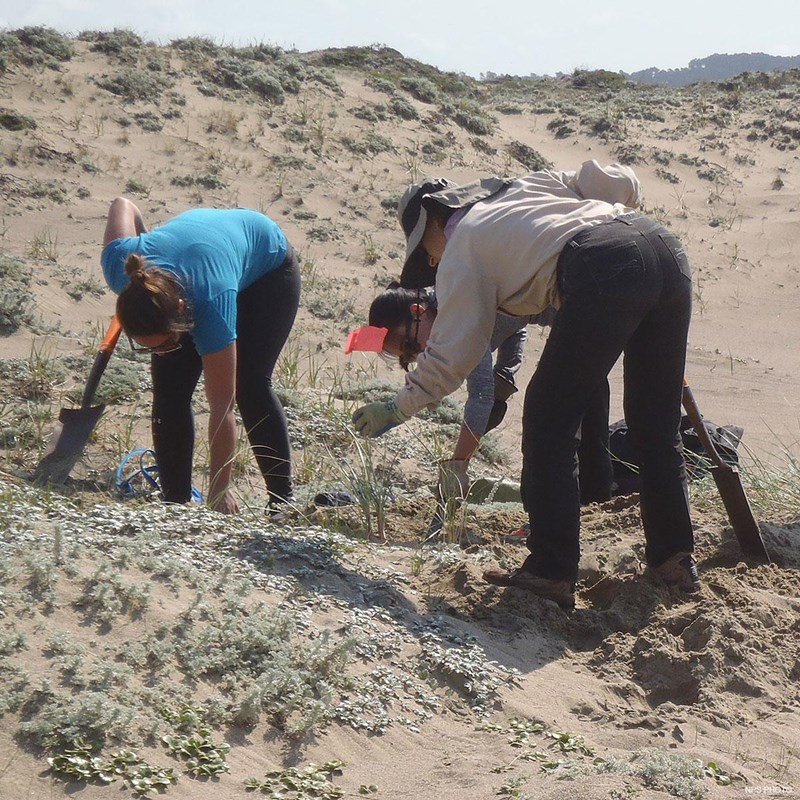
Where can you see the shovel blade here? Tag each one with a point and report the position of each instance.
(66, 443)
(737, 506)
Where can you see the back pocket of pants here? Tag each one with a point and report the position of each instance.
(675, 247)
(609, 268)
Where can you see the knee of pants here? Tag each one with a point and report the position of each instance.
(252, 385)
(542, 442)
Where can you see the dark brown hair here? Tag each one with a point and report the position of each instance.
(392, 309)
(151, 302)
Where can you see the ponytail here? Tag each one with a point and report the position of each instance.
(151, 302)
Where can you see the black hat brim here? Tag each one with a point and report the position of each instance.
(417, 272)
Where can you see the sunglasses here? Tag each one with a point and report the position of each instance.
(158, 350)
(410, 347)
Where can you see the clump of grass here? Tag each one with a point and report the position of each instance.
(14, 121)
(369, 480)
(149, 121)
(370, 144)
(137, 186)
(48, 189)
(561, 127)
(210, 180)
(32, 378)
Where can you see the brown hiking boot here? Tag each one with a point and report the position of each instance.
(679, 571)
(561, 592)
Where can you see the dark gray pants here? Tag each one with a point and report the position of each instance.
(625, 289)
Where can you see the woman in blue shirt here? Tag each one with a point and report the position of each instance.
(215, 292)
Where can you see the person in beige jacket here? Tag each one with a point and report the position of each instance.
(621, 283)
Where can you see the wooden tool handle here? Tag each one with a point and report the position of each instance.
(693, 412)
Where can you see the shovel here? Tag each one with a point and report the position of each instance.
(75, 425)
(729, 485)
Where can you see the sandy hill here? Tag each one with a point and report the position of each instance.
(153, 639)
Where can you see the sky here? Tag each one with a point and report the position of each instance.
(516, 37)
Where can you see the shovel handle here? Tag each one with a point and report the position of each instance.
(693, 412)
(112, 335)
(101, 360)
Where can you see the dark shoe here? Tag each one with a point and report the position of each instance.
(561, 592)
(679, 571)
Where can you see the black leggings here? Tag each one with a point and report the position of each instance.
(265, 314)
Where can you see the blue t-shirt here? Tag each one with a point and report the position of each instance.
(214, 253)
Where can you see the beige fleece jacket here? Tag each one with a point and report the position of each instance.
(503, 255)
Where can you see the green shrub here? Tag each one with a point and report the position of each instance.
(598, 79)
(421, 88)
(114, 42)
(16, 297)
(196, 48)
(286, 161)
(402, 108)
(53, 190)
(40, 45)
(149, 121)
(208, 181)
(506, 107)
(13, 121)
(132, 83)
(326, 78)
(266, 86)
(531, 159)
(471, 117)
(371, 112)
(237, 73)
(369, 145)
(631, 153)
(560, 127)
(380, 84)
(260, 52)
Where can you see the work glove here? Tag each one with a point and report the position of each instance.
(503, 389)
(374, 419)
(451, 488)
